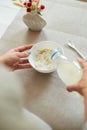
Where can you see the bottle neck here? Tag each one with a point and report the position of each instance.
(58, 55)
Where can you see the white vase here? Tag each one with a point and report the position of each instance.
(34, 21)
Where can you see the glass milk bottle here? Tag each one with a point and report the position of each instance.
(69, 72)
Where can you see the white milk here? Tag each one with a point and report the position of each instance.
(69, 72)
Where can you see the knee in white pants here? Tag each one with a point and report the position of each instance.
(35, 123)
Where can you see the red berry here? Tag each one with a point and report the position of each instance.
(28, 9)
(30, 0)
(25, 3)
(42, 7)
(29, 4)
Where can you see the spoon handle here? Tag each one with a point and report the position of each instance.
(81, 55)
(74, 48)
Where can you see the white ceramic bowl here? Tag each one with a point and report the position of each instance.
(43, 63)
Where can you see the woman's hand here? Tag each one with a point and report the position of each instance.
(81, 86)
(16, 58)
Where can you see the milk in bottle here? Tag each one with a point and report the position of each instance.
(69, 72)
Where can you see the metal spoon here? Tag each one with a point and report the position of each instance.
(70, 44)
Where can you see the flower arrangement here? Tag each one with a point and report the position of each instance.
(33, 19)
(33, 5)
(30, 5)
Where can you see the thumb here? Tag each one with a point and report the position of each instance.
(72, 88)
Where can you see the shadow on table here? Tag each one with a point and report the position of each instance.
(83, 0)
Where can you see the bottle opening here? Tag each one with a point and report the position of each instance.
(56, 52)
